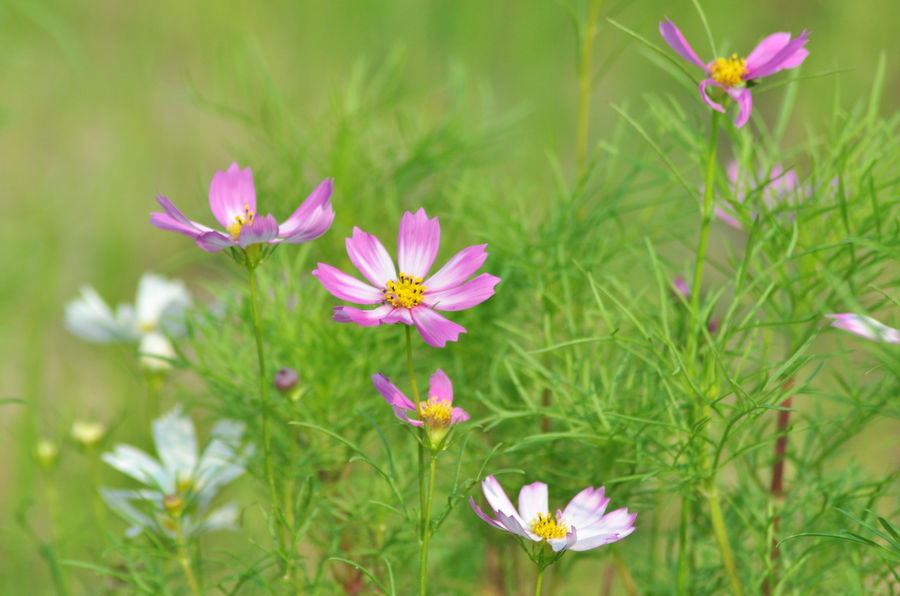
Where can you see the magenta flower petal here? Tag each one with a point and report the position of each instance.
(174, 220)
(677, 42)
(398, 315)
(469, 294)
(346, 287)
(458, 269)
(728, 217)
(214, 241)
(399, 402)
(703, 85)
(262, 230)
(439, 386)
(417, 243)
(533, 500)
(458, 415)
(744, 100)
(231, 193)
(866, 327)
(368, 254)
(766, 49)
(435, 329)
(363, 318)
(792, 54)
(312, 218)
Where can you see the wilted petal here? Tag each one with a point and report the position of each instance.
(677, 42)
(232, 194)
(865, 327)
(469, 294)
(435, 329)
(345, 287)
(368, 254)
(417, 243)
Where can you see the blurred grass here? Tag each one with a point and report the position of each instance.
(106, 104)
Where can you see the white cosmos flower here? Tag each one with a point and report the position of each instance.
(179, 473)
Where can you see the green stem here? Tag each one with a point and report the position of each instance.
(267, 436)
(718, 523)
(683, 551)
(49, 550)
(540, 581)
(622, 566)
(423, 519)
(183, 558)
(706, 215)
(99, 511)
(584, 85)
(426, 532)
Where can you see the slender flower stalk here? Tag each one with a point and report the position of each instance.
(585, 84)
(538, 584)
(776, 488)
(183, 558)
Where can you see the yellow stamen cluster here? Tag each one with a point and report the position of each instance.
(240, 221)
(435, 412)
(729, 71)
(407, 291)
(547, 527)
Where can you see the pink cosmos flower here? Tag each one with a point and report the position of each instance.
(781, 188)
(232, 198)
(732, 75)
(406, 298)
(580, 526)
(867, 327)
(436, 413)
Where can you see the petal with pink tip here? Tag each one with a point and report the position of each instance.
(533, 500)
(312, 218)
(677, 42)
(866, 327)
(585, 508)
(458, 269)
(214, 241)
(231, 193)
(465, 296)
(484, 516)
(346, 287)
(435, 329)
(497, 499)
(417, 243)
(262, 230)
(368, 254)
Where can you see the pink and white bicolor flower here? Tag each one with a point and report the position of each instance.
(582, 525)
(776, 52)
(436, 413)
(864, 326)
(410, 297)
(232, 199)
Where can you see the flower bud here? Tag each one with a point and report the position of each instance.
(87, 434)
(173, 503)
(47, 454)
(286, 380)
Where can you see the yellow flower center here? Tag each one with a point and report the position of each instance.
(240, 221)
(146, 327)
(184, 485)
(729, 71)
(407, 291)
(547, 527)
(435, 412)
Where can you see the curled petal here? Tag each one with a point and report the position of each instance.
(263, 229)
(174, 220)
(677, 42)
(312, 218)
(744, 100)
(458, 269)
(790, 55)
(417, 243)
(484, 516)
(465, 296)
(214, 241)
(435, 329)
(368, 254)
(390, 393)
(703, 85)
(231, 193)
(346, 287)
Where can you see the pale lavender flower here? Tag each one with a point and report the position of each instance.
(864, 326)
(179, 476)
(437, 412)
(776, 187)
(232, 199)
(776, 52)
(681, 288)
(582, 525)
(406, 298)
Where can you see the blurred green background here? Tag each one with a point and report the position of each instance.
(106, 104)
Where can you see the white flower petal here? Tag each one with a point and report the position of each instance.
(141, 467)
(176, 443)
(161, 302)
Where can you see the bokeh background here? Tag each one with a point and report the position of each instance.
(106, 104)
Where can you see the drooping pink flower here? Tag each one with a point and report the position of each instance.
(777, 187)
(776, 52)
(436, 413)
(582, 525)
(232, 199)
(867, 327)
(411, 297)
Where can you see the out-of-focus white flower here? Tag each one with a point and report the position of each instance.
(179, 476)
(46, 453)
(159, 306)
(87, 434)
(155, 351)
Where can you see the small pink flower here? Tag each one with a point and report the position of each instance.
(411, 297)
(777, 188)
(582, 525)
(776, 52)
(867, 327)
(436, 413)
(232, 198)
